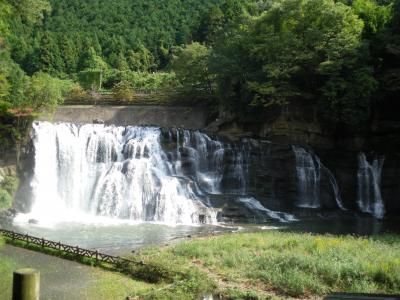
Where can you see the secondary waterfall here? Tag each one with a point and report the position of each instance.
(309, 169)
(308, 172)
(369, 186)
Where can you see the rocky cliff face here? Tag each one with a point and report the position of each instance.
(273, 174)
(271, 163)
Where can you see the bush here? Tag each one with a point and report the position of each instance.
(123, 91)
(140, 81)
(45, 92)
(5, 199)
(10, 184)
(77, 92)
(91, 79)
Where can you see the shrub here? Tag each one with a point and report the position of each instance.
(123, 90)
(77, 92)
(91, 79)
(10, 184)
(5, 199)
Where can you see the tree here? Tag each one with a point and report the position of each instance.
(123, 90)
(69, 54)
(375, 16)
(31, 10)
(211, 24)
(45, 92)
(191, 67)
(305, 49)
(121, 63)
(49, 56)
(90, 60)
(387, 52)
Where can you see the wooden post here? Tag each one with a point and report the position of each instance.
(26, 284)
(42, 243)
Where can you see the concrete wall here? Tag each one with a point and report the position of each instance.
(163, 116)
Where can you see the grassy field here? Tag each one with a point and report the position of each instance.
(262, 265)
(273, 264)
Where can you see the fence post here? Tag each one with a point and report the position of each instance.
(26, 284)
(42, 243)
(13, 235)
(97, 256)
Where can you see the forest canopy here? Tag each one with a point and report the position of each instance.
(341, 56)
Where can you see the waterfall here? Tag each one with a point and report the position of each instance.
(255, 205)
(210, 163)
(369, 183)
(308, 170)
(335, 187)
(139, 174)
(114, 172)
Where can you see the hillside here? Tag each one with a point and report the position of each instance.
(136, 34)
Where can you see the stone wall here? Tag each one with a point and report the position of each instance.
(163, 116)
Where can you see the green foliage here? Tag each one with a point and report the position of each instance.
(298, 50)
(91, 79)
(375, 16)
(386, 48)
(75, 26)
(49, 56)
(336, 55)
(190, 65)
(8, 187)
(141, 81)
(46, 92)
(10, 184)
(179, 279)
(92, 61)
(5, 199)
(297, 265)
(123, 90)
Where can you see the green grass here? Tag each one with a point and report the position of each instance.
(7, 266)
(261, 265)
(258, 265)
(98, 284)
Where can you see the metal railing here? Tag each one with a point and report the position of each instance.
(63, 248)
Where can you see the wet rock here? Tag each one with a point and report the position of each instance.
(98, 121)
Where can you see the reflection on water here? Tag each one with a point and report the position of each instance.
(116, 239)
(119, 239)
(363, 226)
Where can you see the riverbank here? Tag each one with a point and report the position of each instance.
(260, 265)
(273, 264)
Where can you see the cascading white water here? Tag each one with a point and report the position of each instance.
(84, 172)
(210, 161)
(254, 204)
(369, 186)
(335, 187)
(308, 169)
(110, 171)
(308, 175)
